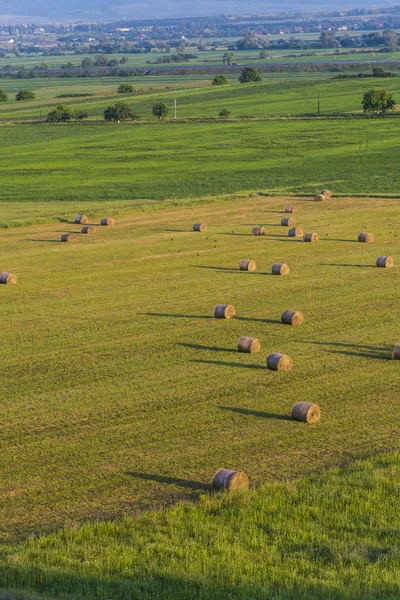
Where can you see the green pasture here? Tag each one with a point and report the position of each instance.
(197, 98)
(45, 169)
(209, 57)
(332, 536)
(121, 392)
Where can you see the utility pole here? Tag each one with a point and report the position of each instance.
(174, 108)
(319, 104)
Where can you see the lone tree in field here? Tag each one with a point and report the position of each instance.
(229, 58)
(126, 88)
(60, 114)
(79, 115)
(249, 74)
(25, 95)
(3, 96)
(160, 110)
(378, 101)
(220, 80)
(120, 111)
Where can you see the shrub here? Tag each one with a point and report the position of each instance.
(60, 114)
(25, 95)
(224, 112)
(220, 80)
(249, 74)
(125, 88)
(120, 111)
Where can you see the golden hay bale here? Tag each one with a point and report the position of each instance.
(67, 237)
(199, 227)
(385, 262)
(279, 362)
(8, 278)
(326, 194)
(310, 237)
(296, 232)
(396, 352)
(365, 237)
(258, 231)
(81, 219)
(107, 222)
(224, 311)
(290, 209)
(225, 479)
(247, 265)
(292, 317)
(88, 229)
(307, 412)
(288, 222)
(280, 269)
(249, 344)
(318, 198)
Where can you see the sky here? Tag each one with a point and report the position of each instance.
(98, 10)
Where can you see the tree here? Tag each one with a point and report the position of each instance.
(86, 63)
(228, 58)
(249, 74)
(25, 95)
(160, 110)
(328, 40)
(60, 114)
(378, 101)
(79, 115)
(220, 80)
(123, 60)
(126, 88)
(390, 39)
(3, 96)
(120, 111)
(263, 54)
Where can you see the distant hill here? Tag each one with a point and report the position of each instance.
(82, 10)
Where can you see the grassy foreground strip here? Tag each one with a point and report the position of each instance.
(53, 165)
(334, 535)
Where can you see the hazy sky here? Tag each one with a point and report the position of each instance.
(104, 9)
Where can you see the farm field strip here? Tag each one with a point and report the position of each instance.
(125, 392)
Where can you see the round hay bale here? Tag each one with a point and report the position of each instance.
(318, 198)
(249, 344)
(385, 262)
(199, 227)
(258, 231)
(365, 237)
(279, 362)
(88, 229)
(326, 194)
(288, 222)
(224, 311)
(290, 209)
(225, 479)
(310, 237)
(296, 232)
(67, 237)
(247, 265)
(81, 219)
(292, 317)
(396, 352)
(280, 269)
(306, 412)
(107, 222)
(8, 278)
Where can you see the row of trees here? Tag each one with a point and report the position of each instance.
(21, 95)
(120, 111)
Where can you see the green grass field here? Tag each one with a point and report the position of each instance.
(277, 95)
(48, 171)
(333, 536)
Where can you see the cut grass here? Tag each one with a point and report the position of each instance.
(121, 392)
